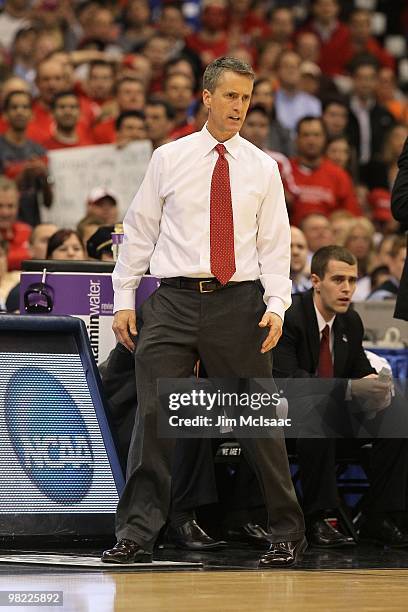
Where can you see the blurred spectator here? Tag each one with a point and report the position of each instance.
(282, 26)
(332, 34)
(102, 29)
(389, 96)
(268, 54)
(291, 103)
(245, 25)
(310, 75)
(157, 51)
(279, 138)
(65, 132)
(382, 171)
(307, 45)
(130, 95)
(100, 84)
(323, 186)
(335, 117)
(102, 203)
(39, 239)
(339, 151)
(135, 23)
(384, 250)
(178, 91)
(22, 55)
(9, 85)
(362, 42)
(65, 244)
(8, 280)
(368, 121)
(88, 226)
(340, 223)
(130, 127)
(359, 240)
(378, 276)
(298, 261)
(317, 231)
(14, 232)
(172, 25)
(13, 17)
(99, 245)
(256, 130)
(211, 41)
(389, 288)
(160, 121)
(182, 64)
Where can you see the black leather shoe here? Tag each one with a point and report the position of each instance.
(384, 532)
(283, 554)
(322, 534)
(126, 551)
(190, 536)
(251, 534)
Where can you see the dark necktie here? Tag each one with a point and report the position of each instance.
(222, 255)
(325, 368)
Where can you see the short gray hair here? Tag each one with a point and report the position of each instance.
(214, 71)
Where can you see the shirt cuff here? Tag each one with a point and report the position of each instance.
(349, 395)
(276, 305)
(124, 300)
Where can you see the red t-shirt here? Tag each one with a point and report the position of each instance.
(3, 125)
(42, 123)
(53, 143)
(322, 190)
(18, 249)
(104, 132)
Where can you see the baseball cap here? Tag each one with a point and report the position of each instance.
(100, 242)
(98, 193)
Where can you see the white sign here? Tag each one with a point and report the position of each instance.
(77, 171)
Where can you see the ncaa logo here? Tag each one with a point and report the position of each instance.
(49, 435)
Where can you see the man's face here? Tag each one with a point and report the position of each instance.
(179, 92)
(157, 124)
(282, 24)
(325, 10)
(317, 231)
(8, 208)
(311, 140)
(365, 82)
(132, 128)
(100, 82)
(105, 209)
(335, 119)
(396, 264)
(298, 250)
(171, 22)
(334, 291)
(228, 104)
(131, 96)
(50, 80)
(360, 26)
(18, 113)
(66, 112)
(39, 239)
(264, 96)
(256, 129)
(289, 70)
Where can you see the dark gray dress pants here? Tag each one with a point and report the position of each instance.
(221, 327)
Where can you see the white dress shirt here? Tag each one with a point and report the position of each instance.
(167, 226)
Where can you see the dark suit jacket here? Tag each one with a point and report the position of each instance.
(297, 352)
(380, 120)
(399, 207)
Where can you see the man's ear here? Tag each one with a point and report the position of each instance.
(207, 98)
(315, 282)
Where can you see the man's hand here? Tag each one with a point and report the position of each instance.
(274, 322)
(370, 388)
(124, 323)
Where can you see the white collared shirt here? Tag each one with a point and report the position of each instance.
(321, 323)
(167, 226)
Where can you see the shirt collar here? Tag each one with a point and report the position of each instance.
(209, 142)
(321, 321)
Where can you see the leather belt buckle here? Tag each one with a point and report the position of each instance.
(202, 290)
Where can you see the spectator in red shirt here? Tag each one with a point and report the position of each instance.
(333, 35)
(211, 41)
(335, 117)
(178, 91)
(282, 26)
(100, 84)
(323, 186)
(130, 127)
(15, 233)
(160, 121)
(244, 24)
(12, 84)
(65, 133)
(50, 80)
(130, 95)
(360, 40)
(157, 50)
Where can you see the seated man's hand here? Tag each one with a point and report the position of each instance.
(369, 388)
(124, 324)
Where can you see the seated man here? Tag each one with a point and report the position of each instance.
(322, 338)
(389, 288)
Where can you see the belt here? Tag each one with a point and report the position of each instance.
(203, 285)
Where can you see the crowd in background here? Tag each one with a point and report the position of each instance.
(329, 105)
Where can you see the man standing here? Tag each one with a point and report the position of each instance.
(210, 219)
